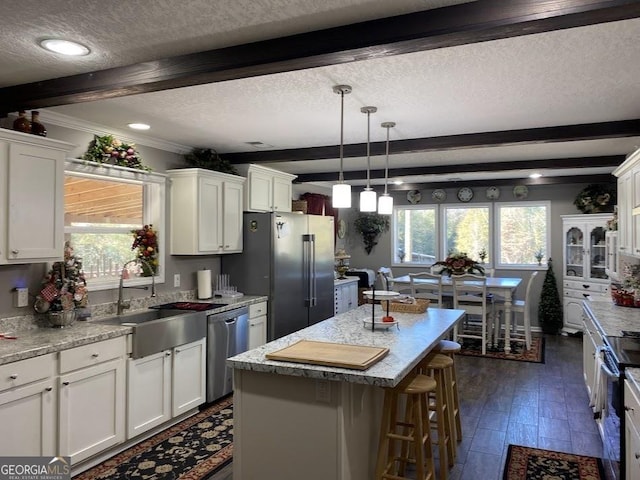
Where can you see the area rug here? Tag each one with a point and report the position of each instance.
(518, 351)
(193, 449)
(525, 463)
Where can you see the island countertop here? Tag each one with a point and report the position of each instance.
(410, 341)
(612, 319)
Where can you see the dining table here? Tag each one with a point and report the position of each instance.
(503, 286)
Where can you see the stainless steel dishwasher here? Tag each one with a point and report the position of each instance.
(227, 335)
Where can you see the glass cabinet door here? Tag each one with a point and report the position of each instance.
(597, 253)
(575, 252)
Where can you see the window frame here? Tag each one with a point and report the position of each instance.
(154, 211)
(498, 239)
(394, 220)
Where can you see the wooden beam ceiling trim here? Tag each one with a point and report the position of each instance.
(562, 133)
(580, 162)
(455, 25)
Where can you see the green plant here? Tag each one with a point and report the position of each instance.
(209, 159)
(108, 149)
(596, 198)
(550, 306)
(459, 263)
(370, 226)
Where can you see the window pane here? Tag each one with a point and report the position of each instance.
(103, 255)
(523, 233)
(467, 231)
(414, 235)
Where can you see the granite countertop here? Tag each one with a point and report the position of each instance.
(415, 335)
(338, 281)
(40, 340)
(613, 319)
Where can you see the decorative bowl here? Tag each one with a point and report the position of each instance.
(62, 319)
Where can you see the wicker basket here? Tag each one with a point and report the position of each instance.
(420, 306)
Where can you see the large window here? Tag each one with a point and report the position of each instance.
(506, 234)
(102, 207)
(414, 235)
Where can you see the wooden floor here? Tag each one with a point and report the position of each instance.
(503, 402)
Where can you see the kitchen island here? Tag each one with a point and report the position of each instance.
(294, 421)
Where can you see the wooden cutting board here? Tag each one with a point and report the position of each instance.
(343, 355)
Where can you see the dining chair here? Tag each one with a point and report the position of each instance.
(386, 280)
(470, 295)
(431, 291)
(519, 332)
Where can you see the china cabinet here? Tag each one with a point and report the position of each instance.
(584, 263)
(267, 190)
(31, 197)
(206, 212)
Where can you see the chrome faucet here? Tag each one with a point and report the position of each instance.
(122, 305)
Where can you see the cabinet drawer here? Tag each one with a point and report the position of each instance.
(585, 295)
(92, 354)
(586, 286)
(257, 309)
(632, 403)
(26, 371)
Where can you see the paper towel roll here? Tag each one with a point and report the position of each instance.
(204, 284)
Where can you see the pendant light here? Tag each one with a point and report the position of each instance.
(368, 196)
(341, 192)
(385, 201)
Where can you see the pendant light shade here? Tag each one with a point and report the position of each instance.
(341, 192)
(385, 202)
(368, 196)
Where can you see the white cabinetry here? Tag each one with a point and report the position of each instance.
(629, 205)
(611, 255)
(267, 190)
(206, 212)
(28, 407)
(257, 324)
(632, 430)
(92, 398)
(345, 295)
(584, 263)
(164, 385)
(31, 187)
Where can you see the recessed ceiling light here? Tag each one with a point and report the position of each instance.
(64, 47)
(398, 182)
(139, 126)
(535, 175)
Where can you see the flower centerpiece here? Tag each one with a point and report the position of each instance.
(108, 149)
(145, 240)
(458, 264)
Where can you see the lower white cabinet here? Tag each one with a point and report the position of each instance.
(91, 386)
(575, 292)
(632, 431)
(345, 295)
(28, 407)
(165, 385)
(257, 324)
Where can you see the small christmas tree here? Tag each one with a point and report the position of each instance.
(65, 287)
(550, 307)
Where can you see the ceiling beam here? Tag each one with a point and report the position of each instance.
(455, 25)
(452, 170)
(563, 133)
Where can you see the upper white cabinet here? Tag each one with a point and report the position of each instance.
(267, 190)
(206, 212)
(629, 205)
(584, 264)
(31, 197)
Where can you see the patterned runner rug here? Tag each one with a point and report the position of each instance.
(518, 351)
(524, 463)
(190, 450)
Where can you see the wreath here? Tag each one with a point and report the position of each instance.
(596, 198)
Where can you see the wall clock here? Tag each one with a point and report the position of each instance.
(414, 196)
(493, 193)
(465, 194)
(439, 195)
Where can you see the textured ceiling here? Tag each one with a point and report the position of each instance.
(574, 76)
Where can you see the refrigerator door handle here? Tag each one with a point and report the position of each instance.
(308, 265)
(314, 293)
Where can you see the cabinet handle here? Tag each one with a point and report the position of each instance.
(627, 409)
(15, 252)
(95, 355)
(226, 246)
(584, 285)
(168, 354)
(65, 383)
(637, 455)
(13, 376)
(219, 246)
(48, 389)
(177, 351)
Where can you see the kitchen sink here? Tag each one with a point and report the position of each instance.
(157, 330)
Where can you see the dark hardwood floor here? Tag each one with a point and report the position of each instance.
(536, 405)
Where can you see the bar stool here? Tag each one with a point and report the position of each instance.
(415, 435)
(449, 348)
(440, 403)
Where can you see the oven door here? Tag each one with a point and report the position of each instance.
(608, 410)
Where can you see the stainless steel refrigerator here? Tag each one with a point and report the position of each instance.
(289, 257)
